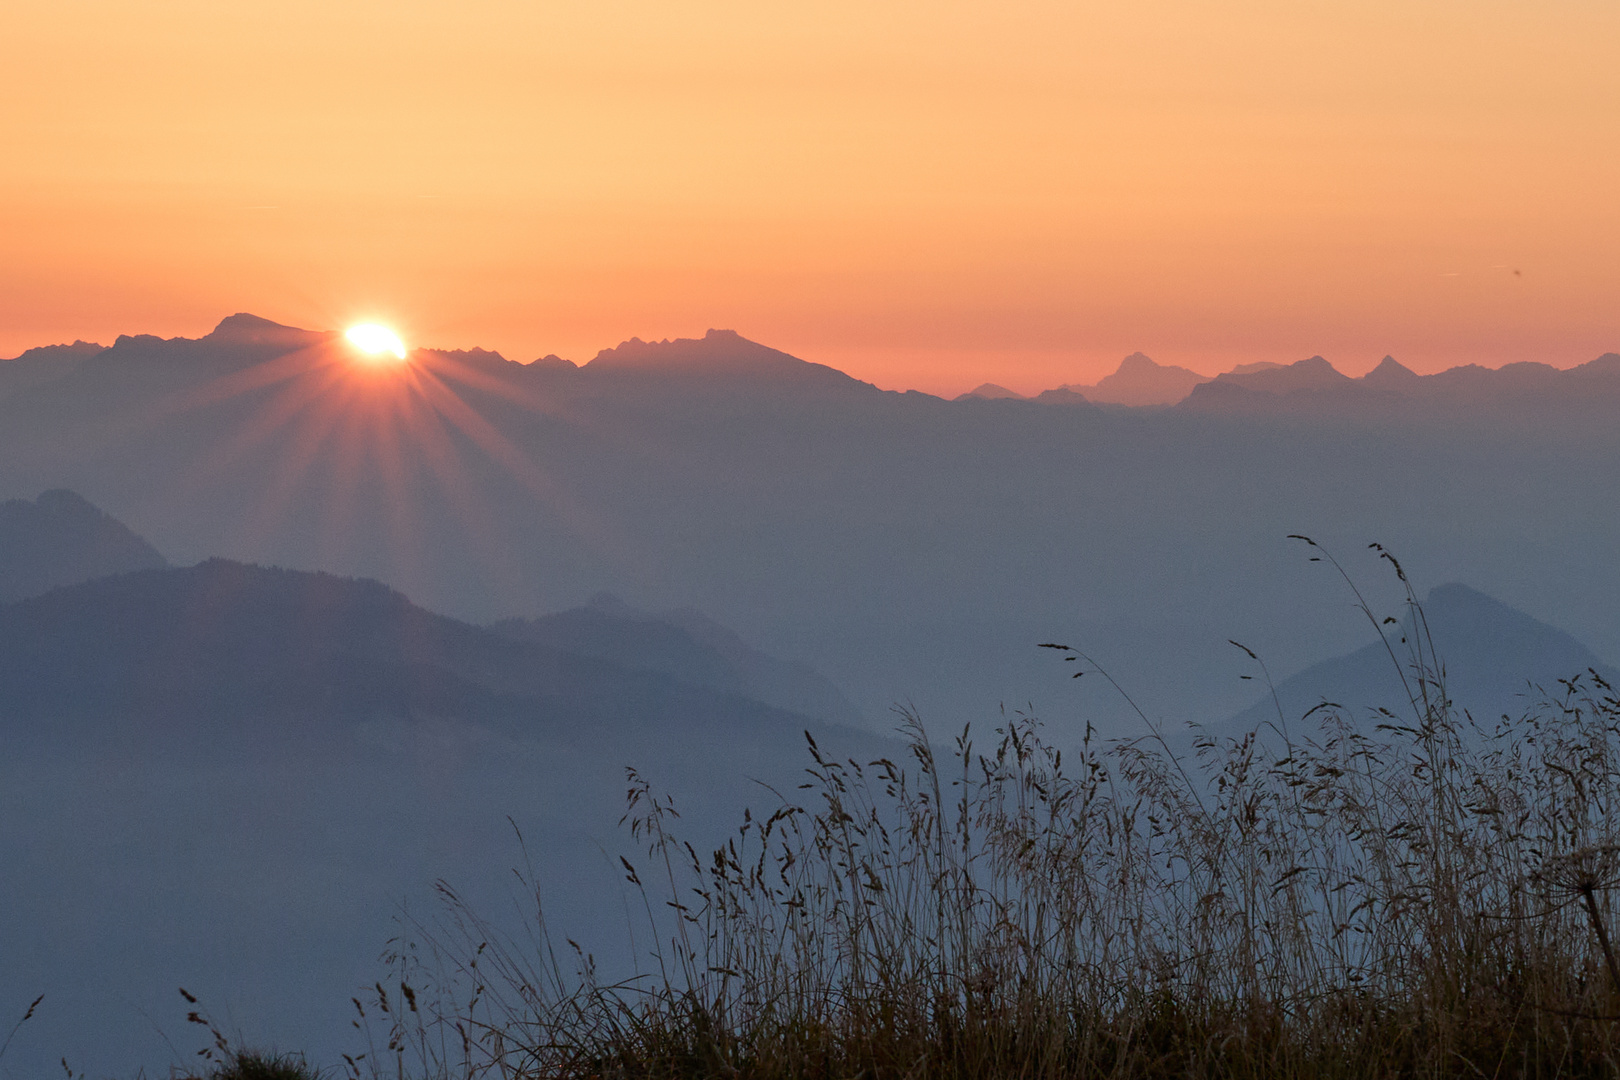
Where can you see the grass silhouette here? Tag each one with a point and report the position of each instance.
(227, 1062)
(252, 1065)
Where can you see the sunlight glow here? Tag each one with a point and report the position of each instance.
(375, 340)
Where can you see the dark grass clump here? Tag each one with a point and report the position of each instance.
(1420, 896)
(254, 1065)
(227, 1062)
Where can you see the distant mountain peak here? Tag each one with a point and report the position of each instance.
(60, 539)
(1063, 395)
(1258, 365)
(718, 353)
(715, 346)
(1390, 372)
(1315, 364)
(1607, 364)
(553, 361)
(1466, 611)
(243, 320)
(245, 327)
(1140, 380)
(1311, 373)
(686, 645)
(1497, 660)
(990, 392)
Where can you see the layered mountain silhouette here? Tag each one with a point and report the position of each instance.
(45, 364)
(721, 355)
(239, 341)
(1496, 661)
(224, 644)
(223, 635)
(60, 539)
(913, 549)
(910, 548)
(1313, 385)
(1391, 374)
(686, 645)
(1314, 373)
(230, 777)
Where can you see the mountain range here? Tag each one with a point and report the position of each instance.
(1315, 385)
(911, 549)
(399, 610)
(1139, 381)
(221, 642)
(726, 357)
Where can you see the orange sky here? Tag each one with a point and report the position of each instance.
(926, 195)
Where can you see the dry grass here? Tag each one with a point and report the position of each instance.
(1420, 898)
(224, 1061)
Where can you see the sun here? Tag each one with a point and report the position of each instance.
(376, 340)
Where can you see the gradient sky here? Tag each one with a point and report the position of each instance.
(926, 195)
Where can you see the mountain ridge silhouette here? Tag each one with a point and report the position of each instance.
(243, 339)
(223, 642)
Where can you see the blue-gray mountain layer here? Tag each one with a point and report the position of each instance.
(60, 539)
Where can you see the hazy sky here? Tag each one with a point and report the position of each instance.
(925, 195)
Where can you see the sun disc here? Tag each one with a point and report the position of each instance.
(374, 339)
